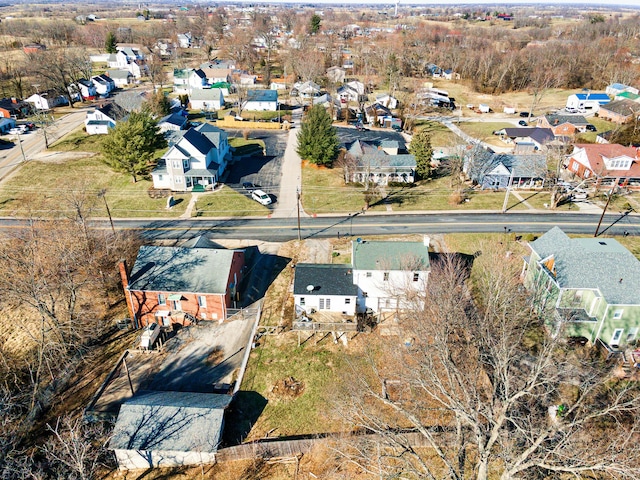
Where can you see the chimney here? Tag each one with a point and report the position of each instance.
(124, 275)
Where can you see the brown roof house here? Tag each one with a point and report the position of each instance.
(607, 163)
(619, 111)
(177, 285)
(563, 125)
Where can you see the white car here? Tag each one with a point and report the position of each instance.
(261, 197)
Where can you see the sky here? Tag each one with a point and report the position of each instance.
(591, 3)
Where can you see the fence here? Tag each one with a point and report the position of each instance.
(325, 327)
(230, 122)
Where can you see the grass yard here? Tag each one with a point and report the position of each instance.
(601, 125)
(226, 202)
(484, 130)
(46, 188)
(78, 141)
(323, 191)
(246, 147)
(441, 136)
(538, 199)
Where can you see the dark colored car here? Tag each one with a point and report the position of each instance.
(249, 186)
(591, 128)
(524, 114)
(522, 123)
(360, 127)
(397, 128)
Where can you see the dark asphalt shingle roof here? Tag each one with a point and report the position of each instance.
(592, 263)
(327, 279)
(540, 135)
(179, 269)
(262, 96)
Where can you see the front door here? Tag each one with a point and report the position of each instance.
(177, 305)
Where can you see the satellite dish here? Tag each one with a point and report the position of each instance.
(310, 288)
(359, 240)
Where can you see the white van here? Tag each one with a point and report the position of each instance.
(261, 197)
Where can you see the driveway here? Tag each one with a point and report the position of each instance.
(263, 170)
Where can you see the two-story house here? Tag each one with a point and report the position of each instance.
(607, 164)
(98, 121)
(196, 161)
(104, 84)
(83, 89)
(590, 286)
(261, 100)
(169, 285)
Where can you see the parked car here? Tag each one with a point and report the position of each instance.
(397, 128)
(361, 128)
(522, 123)
(261, 197)
(591, 128)
(250, 186)
(524, 114)
(571, 110)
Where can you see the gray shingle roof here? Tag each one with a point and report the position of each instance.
(592, 263)
(327, 279)
(262, 96)
(170, 421)
(480, 162)
(179, 269)
(577, 120)
(540, 135)
(373, 255)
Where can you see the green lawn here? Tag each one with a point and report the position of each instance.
(538, 199)
(601, 125)
(441, 136)
(46, 188)
(78, 141)
(246, 147)
(226, 202)
(484, 130)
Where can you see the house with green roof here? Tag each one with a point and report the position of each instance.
(388, 273)
(591, 286)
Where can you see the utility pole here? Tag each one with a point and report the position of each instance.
(298, 205)
(103, 194)
(24, 158)
(604, 210)
(506, 195)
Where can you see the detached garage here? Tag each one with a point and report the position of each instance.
(168, 429)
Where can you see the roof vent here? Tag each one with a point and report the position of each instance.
(310, 288)
(602, 243)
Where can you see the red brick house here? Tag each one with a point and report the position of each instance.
(176, 285)
(608, 164)
(563, 125)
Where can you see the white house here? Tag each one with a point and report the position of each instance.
(306, 89)
(103, 84)
(336, 74)
(121, 78)
(387, 100)
(168, 429)
(197, 79)
(217, 75)
(172, 122)
(278, 85)
(587, 101)
(181, 80)
(388, 273)
(247, 79)
(45, 101)
(617, 88)
(196, 161)
(184, 40)
(325, 287)
(261, 100)
(98, 121)
(208, 99)
(84, 89)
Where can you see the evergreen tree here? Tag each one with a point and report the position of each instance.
(110, 43)
(318, 139)
(131, 145)
(314, 24)
(420, 147)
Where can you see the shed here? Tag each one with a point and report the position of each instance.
(168, 429)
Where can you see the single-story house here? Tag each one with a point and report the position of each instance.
(591, 287)
(47, 101)
(589, 101)
(336, 74)
(173, 121)
(305, 89)
(177, 285)
(121, 78)
(620, 111)
(380, 163)
(168, 429)
(208, 99)
(6, 124)
(261, 100)
(607, 163)
(325, 287)
(498, 170)
(538, 137)
(563, 125)
(13, 107)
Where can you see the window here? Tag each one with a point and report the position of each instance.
(615, 339)
(368, 274)
(159, 178)
(178, 179)
(347, 301)
(176, 305)
(203, 315)
(176, 164)
(202, 301)
(302, 301)
(416, 276)
(631, 336)
(617, 314)
(161, 299)
(324, 304)
(385, 276)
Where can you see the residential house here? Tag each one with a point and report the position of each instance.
(178, 285)
(336, 74)
(219, 63)
(197, 80)
(387, 100)
(617, 88)
(606, 163)
(98, 121)
(352, 91)
(131, 100)
(83, 89)
(620, 111)
(377, 113)
(450, 74)
(46, 100)
(305, 89)
(121, 78)
(389, 274)
(217, 75)
(380, 163)
(196, 161)
(261, 100)
(7, 124)
(325, 287)
(529, 138)
(103, 84)
(127, 60)
(173, 122)
(132, 51)
(12, 107)
(208, 99)
(185, 39)
(247, 79)
(278, 85)
(499, 170)
(168, 429)
(587, 101)
(563, 125)
(590, 285)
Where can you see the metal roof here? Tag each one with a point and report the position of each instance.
(379, 255)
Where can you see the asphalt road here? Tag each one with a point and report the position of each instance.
(284, 229)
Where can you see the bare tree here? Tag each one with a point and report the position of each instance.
(477, 386)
